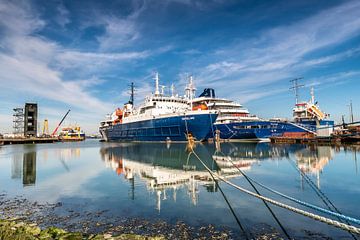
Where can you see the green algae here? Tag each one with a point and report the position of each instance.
(12, 230)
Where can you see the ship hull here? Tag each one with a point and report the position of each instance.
(247, 131)
(171, 128)
(263, 130)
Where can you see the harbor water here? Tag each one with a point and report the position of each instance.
(166, 182)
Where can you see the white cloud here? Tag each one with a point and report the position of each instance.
(332, 58)
(281, 52)
(63, 17)
(76, 59)
(18, 20)
(120, 31)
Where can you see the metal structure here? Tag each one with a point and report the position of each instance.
(18, 121)
(45, 131)
(351, 114)
(30, 119)
(132, 90)
(296, 88)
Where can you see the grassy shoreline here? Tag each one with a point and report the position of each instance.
(17, 230)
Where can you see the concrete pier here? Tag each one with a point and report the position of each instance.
(30, 140)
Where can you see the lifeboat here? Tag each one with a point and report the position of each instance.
(202, 106)
(119, 113)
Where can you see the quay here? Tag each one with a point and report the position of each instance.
(30, 140)
(354, 139)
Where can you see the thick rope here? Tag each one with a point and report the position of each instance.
(227, 201)
(335, 214)
(248, 179)
(285, 206)
(321, 194)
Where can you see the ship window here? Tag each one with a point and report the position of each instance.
(158, 131)
(143, 132)
(165, 131)
(254, 126)
(174, 131)
(239, 127)
(150, 131)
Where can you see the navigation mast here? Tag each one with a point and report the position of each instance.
(132, 90)
(156, 78)
(296, 87)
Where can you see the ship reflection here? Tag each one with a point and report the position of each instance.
(165, 168)
(313, 159)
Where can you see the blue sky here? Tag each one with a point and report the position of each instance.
(83, 54)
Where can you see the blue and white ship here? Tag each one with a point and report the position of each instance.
(159, 118)
(235, 123)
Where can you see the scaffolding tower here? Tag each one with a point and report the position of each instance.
(18, 121)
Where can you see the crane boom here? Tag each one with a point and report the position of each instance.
(60, 123)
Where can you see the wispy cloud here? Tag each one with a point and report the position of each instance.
(281, 52)
(63, 17)
(120, 32)
(76, 59)
(332, 58)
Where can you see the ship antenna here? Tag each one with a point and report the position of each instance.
(162, 90)
(132, 90)
(296, 87)
(172, 89)
(156, 78)
(312, 95)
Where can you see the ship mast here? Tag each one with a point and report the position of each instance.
(312, 95)
(296, 87)
(190, 90)
(132, 93)
(172, 90)
(156, 78)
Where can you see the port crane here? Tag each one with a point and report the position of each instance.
(54, 132)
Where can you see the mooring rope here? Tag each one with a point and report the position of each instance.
(342, 216)
(248, 179)
(329, 221)
(226, 200)
(322, 195)
(318, 191)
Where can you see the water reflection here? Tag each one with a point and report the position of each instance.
(24, 161)
(159, 176)
(164, 168)
(29, 169)
(16, 166)
(167, 168)
(313, 159)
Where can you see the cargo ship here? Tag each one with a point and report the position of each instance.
(308, 114)
(72, 134)
(159, 118)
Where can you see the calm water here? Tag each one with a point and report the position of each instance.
(164, 182)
